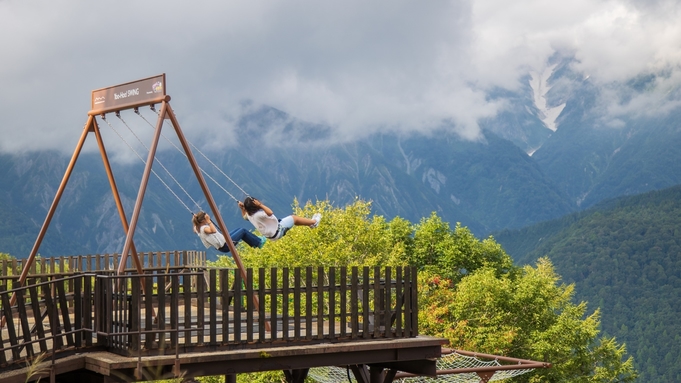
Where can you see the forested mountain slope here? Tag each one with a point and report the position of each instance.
(623, 255)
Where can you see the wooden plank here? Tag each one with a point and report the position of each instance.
(377, 302)
(53, 316)
(237, 306)
(249, 305)
(109, 302)
(273, 304)
(285, 293)
(387, 303)
(212, 290)
(200, 308)
(78, 310)
(343, 283)
(354, 302)
(296, 303)
(225, 300)
(149, 315)
(161, 311)
(407, 303)
(332, 302)
(174, 308)
(37, 319)
(87, 309)
(100, 307)
(135, 320)
(117, 314)
(23, 321)
(187, 293)
(414, 301)
(7, 312)
(308, 302)
(320, 302)
(261, 305)
(399, 300)
(15, 271)
(365, 302)
(63, 305)
(72, 267)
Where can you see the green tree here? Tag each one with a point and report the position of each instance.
(453, 254)
(346, 237)
(470, 291)
(526, 315)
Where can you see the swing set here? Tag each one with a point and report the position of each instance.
(133, 95)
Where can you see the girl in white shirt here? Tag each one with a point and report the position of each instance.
(267, 223)
(211, 237)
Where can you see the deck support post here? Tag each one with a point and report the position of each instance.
(296, 376)
(361, 373)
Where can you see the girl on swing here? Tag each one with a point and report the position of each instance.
(211, 237)
(267, 223)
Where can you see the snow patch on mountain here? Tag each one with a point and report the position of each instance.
(540, 87)
(434, 178)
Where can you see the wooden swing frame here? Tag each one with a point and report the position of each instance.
(145, 92)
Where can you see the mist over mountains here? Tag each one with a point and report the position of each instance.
(519, 173)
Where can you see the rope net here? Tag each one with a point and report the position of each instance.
(447, 362)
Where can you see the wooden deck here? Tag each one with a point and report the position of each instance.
(194, 321)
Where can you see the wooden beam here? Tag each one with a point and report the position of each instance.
(142, 190)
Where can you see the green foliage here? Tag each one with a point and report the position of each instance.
(345, 237)
(470, 291)
(624, 255)
(526, 315)
(453, 254)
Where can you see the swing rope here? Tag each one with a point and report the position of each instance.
(159, 162)
(203, 155)
(152, 170)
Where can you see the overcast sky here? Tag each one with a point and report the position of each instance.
(358, 66)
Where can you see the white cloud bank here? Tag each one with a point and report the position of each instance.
(356, 66)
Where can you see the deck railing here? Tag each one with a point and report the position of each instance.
(213, 309)
(10, 269)
(46, 318)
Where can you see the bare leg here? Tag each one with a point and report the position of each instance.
(302, 221)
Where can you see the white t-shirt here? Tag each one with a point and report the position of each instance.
(216, 240)
(267, 225)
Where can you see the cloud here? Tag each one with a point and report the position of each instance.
(358, 67)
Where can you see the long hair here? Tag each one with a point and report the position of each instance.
(250, 206)
(198, 219)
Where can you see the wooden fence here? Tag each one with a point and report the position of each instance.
(10, 269)
(207, 310)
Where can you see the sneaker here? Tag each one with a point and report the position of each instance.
(263, 239)
(317, 217)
